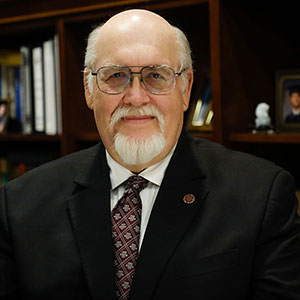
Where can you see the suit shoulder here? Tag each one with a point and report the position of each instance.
(240, 172)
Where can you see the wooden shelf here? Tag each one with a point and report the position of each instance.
(17, 137)
(204, 135)
(265, 138)
(88, 137)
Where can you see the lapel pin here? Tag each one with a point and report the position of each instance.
(189, 198)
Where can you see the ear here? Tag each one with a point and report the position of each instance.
(188, 89)
(89, 98)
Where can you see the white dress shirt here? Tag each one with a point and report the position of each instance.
(296, 112)
(154, 174)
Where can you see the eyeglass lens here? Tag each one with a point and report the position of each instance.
(114, 80)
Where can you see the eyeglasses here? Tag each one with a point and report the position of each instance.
(114, 80)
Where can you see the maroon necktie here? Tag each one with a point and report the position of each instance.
(126, 221)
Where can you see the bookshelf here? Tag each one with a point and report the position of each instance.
(240, 44)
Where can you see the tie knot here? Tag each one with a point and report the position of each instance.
(136, 183)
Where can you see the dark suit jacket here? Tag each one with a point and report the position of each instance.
(238, 240)
(291, 118)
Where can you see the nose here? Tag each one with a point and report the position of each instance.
(135, 94)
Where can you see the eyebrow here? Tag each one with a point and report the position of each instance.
(133, 66)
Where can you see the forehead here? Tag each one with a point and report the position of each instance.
(137, 55)
(140, 45)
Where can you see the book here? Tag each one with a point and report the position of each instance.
(31, 80)
(38, 89)
(4, 82)
(57, 85)
(203, 107)
(9, 78)
(11, 92)
(26, 89)
(17, 87)
(11, 169)
(50, 87)
(10, 57)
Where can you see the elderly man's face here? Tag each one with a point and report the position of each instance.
(128, 46)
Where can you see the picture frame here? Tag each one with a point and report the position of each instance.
(288, 100)
(200, 114)
(4, 114)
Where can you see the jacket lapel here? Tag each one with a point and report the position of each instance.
(170, 217)
(90, 216)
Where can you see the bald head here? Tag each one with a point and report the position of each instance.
(143, 29)
(137, 21)
(146, 32)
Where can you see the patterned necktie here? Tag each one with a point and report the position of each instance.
(126, 220)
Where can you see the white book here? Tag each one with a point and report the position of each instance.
(4, 82)
(49, 84)
(37, 66)
(57, 85)
(26, 92)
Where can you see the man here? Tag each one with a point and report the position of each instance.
(215, 224)
(294, 99)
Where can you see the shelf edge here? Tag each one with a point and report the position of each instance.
(265, 138)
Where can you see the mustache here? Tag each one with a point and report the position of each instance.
(129, 111)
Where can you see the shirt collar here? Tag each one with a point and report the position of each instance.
(154, 174)
(296, 111)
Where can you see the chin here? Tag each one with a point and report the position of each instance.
(139, 150)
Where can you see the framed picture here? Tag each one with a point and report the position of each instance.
(288, 100)
(4, 114)
(200, 114)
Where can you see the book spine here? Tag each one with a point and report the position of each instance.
(17, 86)
(38, 89)
(49, 84)
(26, 92)
(11, 93)
(57, 85)
(206, 97)
(4, 82)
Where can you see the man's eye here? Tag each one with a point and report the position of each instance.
(115, 75)
(156, 76)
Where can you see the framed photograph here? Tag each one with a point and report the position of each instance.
(4, 114)
(288, 100)
(200, 114)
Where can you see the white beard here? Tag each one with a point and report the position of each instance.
(136, 150)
